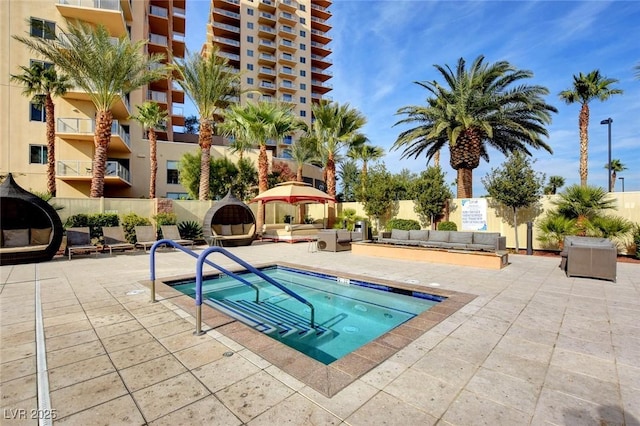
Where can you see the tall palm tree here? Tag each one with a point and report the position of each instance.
(211, 86)
(302, 151)
(555, 182)
(106, 70)
(264, 122)
(616, 166)
(585, 89)
(42, 83)
(365, 153)
(476, 108)
(152, 117)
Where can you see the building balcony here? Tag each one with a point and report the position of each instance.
(267, 45)
(267, 86)
(83, 129)
(320, 61)
(320, 74)
(227, 4)
(287, 59)
(287, 18)
(287, 86)
(266, 72)
(287, 31)
(224, 41)
(320, 11)
(75, 170)
(320, 87)
(267, 58)
(267, 5)
(287, 45)
(226, 16)
(220, 29)
(267, 32)
(287, 72)
(178, 11)
(320, 24)
(121, 108)
(321, 37)
(178, 47)
(266, 18)
(109, 13)
(320, 49)
(158, 11)
(230, 56)
(288, 5)
(156, 96)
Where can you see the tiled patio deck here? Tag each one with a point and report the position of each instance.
(534, 347)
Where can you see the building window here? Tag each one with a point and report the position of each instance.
(249, 80)
(37, 154)
(250, 67)
(303, 73)
(250, 12)
(45, 65)
(303, 21)
(303, 113)
(287, 97)
(303, 100)
(250, 25)
(43, 29)
(287, 140)
(303, 86)
(303, 33)
(249, 52)
(37, 113)
(173, 174)
(303, 46)
(302, 7)
(303, 60)
(177, 195)
(250, 39)
(250, 95)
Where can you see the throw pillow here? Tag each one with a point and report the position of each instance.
(237, 229)
(15, 237)
(40, 236)
(226, 230)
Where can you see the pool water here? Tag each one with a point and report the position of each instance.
(348, 313)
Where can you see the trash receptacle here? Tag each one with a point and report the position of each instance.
(362, 227)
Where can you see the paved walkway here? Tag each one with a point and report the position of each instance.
(534, 347)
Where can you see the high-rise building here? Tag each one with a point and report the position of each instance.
(281, 48)
(23, 148)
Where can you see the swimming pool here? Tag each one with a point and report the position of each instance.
(349, 313)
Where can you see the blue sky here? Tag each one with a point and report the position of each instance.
(380, 48)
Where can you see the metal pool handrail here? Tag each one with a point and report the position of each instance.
(192, 253)
(201, 260)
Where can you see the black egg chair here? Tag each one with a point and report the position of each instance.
(229, 211)
(20, 210)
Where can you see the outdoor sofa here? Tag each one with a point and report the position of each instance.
(455, 240)
(590, 257)
(232, 235)
(337, 239)
(291, 232)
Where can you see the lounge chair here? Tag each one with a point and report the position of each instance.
(145, 236)
(171, 232)
(114, 239)
(79, 240)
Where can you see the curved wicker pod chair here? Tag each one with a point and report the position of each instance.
(31, 228)
(230, 222)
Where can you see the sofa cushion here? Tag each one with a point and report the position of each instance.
(247, 228)
(461, 237)
(225, 230)
(237, 229)
(40, 236)
(15, 237)
(483, 247)
(439, 236)
(399, 234)
(419, 235)
(217, 229)
(486, 238)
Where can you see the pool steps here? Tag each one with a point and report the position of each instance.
(269, 318)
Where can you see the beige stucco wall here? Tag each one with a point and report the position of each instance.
(628, 206)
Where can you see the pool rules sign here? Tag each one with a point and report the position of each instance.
(474, 214)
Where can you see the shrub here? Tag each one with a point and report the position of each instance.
(164, 219)
(403, 224)
(129, 222)
(190, 230)
(636, 239)
(95, 222)
(347, 220)
(447, 226)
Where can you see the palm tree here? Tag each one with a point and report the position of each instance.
(616, 166)
(211, 86)
(152, 117)
(302, 151)
(106, 70)
(475, 109)
(555, 182)
(585, 89)
(584, 204)
(365, 153)
(637, 68)
(260, 123)
(42, 83)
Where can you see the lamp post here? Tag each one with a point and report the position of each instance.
(608, 122)
(622, 179)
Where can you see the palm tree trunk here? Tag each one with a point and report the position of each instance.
(613, 180)
(436, 159)
(331, 190)
(465, 183)
(51, 145)
(263, 184)
(153, 159)
(204, 140)
(583, 123)
(301, 207)
(101, 139)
